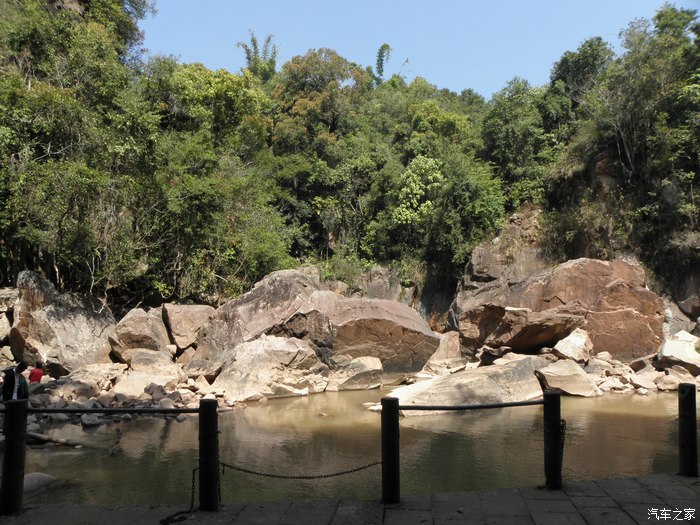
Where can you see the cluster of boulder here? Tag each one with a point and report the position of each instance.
(584, 327)
(516, 326)
(287, 336)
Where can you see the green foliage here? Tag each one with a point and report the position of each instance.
(345, 266)
(417, 187)
(469, 207)
(514, 138)
(262, 63)
(630, 168)
(132, 179)
(578, 71)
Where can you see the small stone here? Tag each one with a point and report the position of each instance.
(90, 420)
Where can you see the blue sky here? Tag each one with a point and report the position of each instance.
(454, 44)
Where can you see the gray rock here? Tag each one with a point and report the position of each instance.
(449, 355)
(91, 420)
(514, 381)
(185, 321)
(147, 367)
(5, 328)
(612, 383)
(35, 481)
(64, 331)
(568, 377)
(597, 367)
(681, 350)
(270, 367)
(675, 320)
(140, 329)
(575, 346)
(362, 373)
(646, 380)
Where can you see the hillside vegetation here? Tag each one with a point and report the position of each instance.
(142, 178)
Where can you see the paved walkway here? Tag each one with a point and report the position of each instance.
(657, 498)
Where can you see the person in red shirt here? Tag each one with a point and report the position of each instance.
(37, 373)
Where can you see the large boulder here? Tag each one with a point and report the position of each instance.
(510, 382)
(65, 331)
(271, 302)
(87, 381)
(185, 321)
(140, 329)
(621, 315)
(568, 377)
(361, 373)
(290, 304)
(520, 329)
(271, 366)
(682, 350)
(390, 331)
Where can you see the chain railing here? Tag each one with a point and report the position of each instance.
(210, 466)
(554, 429)
(288, 476)
(15, 427)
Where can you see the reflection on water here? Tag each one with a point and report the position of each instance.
(332, 432)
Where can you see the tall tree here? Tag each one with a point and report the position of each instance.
(262, 63)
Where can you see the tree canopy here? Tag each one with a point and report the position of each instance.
(145, 179)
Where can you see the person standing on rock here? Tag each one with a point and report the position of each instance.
(37, 373)
(14, 385)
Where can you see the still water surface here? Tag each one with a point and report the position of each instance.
(332, 432)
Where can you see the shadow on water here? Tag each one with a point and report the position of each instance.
(150, 460)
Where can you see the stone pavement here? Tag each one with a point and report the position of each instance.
(656, 498)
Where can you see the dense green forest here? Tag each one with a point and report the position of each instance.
(133, 176)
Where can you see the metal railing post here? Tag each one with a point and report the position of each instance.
(687, 430)
(15, 427)
(553, 448)
(391, 466)
(208, 455)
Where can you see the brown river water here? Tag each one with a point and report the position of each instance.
(616, 435)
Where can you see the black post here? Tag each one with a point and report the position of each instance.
(208, 455)
(687, 430)
(12, 486)
(391, 466)
(553, 450)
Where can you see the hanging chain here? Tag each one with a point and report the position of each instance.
(317, 476)
(183, 514)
